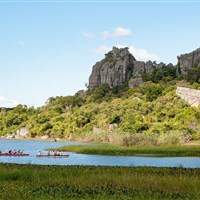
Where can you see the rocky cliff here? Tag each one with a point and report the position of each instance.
(114, 69)
(118, 67)
(188, 60)
(191, 96)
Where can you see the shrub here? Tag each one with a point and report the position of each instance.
(173, 137)
(196, 136)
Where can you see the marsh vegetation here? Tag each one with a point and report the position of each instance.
(78, 182)
(106, 149)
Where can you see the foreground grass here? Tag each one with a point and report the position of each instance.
(91, 182)
(175, 150)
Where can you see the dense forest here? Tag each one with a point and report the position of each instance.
(148, 114)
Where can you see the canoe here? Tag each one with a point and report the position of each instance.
(53, 156)
(12, 154)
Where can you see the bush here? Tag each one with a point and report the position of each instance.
(173, 137)
(168, 138)
(196, 136)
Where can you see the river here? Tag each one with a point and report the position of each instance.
(34, 146)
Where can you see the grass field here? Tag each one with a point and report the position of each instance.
(175, 150)
(33, 182)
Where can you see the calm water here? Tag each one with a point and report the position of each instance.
(32, 147)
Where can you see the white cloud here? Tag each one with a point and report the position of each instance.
(122, 32)
(22, 43)
(105, 35)
(116, 33)
(139, 54)
(90, 36)
(7, 103)
(143, 54)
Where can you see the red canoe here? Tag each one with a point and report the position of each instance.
(12, 154)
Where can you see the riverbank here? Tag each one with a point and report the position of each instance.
(69, 182)
(173, 150)
(85, 140)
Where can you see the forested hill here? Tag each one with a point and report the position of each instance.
(147, 114)
(127, 102)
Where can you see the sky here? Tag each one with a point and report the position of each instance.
(48, 48)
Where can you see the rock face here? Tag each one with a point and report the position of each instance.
(119, 66)
(134, 82)
(115, 69)
(187, 61)
(22, 132)
(191, 96)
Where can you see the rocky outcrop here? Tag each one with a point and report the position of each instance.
(187, 61)
(22, 132)
(119, 66)
(116, 68)
(138, 68)
(134, 82)
(191, 96)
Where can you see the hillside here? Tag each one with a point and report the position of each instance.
(149, 114)
(115, 108)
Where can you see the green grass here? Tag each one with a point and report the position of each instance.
(33, 182)
(175, 150)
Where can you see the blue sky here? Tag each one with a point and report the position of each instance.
(48, 48)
